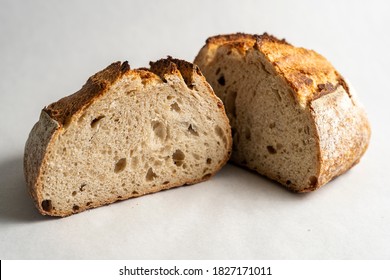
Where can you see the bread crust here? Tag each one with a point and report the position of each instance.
(58, 115)
(63, 110)
(308, 73)
(342, 130)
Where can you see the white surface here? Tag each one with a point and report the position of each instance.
(49, 48)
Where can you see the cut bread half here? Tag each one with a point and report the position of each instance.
(126, 133)
(293, 116)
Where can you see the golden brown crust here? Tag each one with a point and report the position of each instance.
(248, 39)
(63, 109)
(308, 73)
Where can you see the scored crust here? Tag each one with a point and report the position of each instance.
(341, 128)
(307, 72)
(57, 116)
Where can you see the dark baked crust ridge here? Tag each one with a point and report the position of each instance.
(251, 39)
(308, 73)
(63, 109)
(175, 66)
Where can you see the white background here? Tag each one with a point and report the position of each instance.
(49, 48)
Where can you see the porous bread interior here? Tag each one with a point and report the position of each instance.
(140, 137)
(272, 133)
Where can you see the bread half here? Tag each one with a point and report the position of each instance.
(126, 133)
(293, 116)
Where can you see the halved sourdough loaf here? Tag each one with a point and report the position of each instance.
(126, 133)
(294, 118)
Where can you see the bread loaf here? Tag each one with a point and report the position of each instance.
(124, 134)
(294, 118)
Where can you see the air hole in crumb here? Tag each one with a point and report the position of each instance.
(192, 130)
(271, 149)
(208, 161)
(272, 125)
(175, 107)
(120, 165)
(288, 182)
(220, 134)
(166, 183)
(134, 193)
(150, 175)
(130, 91)
(82, 187)
(313, 181)
(247, 133)
(47, 205)
(178, 157)
(76, 208)
(89, 203)
(74, 193)
(206, 176)
(221, 80)
(159, 129)
(218, 70)
(169, 97)
(196, 156)
(95, 121)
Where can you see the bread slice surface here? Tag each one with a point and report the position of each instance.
(293, 116)
(126, 133)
